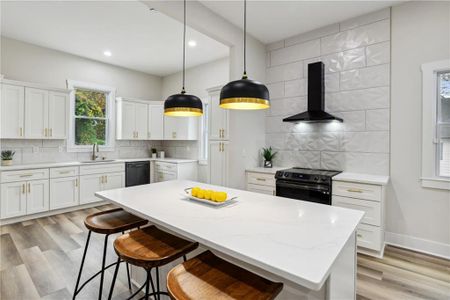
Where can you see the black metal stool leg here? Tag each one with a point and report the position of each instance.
(151, 281)
(128, 270)
(157, 283)
(184, 257)
(102, 275)
(114, 279)
(147, 287)
(81, 266)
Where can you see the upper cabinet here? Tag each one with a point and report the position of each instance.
(139, 120)
(181, 128)
(219, 117)
(33, 113)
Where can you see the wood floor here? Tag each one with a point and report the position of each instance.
(39, 259)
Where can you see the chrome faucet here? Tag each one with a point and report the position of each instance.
(94, 149)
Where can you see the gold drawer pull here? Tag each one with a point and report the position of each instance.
(260, 179)
(29, 188)
(26, 175)
(355, 190)
(64, 172)
(359, 235)
(23, 188)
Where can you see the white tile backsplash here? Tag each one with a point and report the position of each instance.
(356, 54)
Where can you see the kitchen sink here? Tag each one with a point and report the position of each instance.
(97, 161)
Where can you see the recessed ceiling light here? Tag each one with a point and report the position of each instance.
(107, 53)
(192, 43)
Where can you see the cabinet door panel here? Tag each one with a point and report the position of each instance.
(215, 118)
(89, 184)
(37, 196)
(215, 163)
(114, 181)
(170, 128)
(128, 120)
(156, 122)
(13, 199)
(12, 111)
(58, 104)
(36, 113)
(141, 121)
(64, 192)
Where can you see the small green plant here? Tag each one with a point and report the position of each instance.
(8, 154)
(268, 154)
(153, 150)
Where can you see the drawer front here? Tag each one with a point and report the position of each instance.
(64, 172)
(261, 179)
(357, 190)
(24, 175)
(369, 236)
(371, 209)
(262, 189)
(163, 166)
(102, 168)
(165, 176)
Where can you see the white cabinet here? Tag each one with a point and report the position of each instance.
(37, 196)
(64, 192)
(156, 122)
(132, 120)
(113, 181)
(180, 128)
(58, 114)
(12, 111)
(165, 171)
(369, 198)
(36, 113)
(218, 163)
(219, 117)
(259, 182)
(13, 199)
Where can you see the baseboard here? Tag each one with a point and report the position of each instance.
(418, 244)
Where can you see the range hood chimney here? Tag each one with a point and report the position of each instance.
(316, 98)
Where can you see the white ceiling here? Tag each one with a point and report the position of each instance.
(271, 21)
(138, 38)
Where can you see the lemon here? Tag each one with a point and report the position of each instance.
(194, 191)
(201, 194)
(207, 194)
(221, 196)
(213, 195)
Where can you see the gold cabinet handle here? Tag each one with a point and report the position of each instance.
(51, 132)
(26, 175)
(137, 134)
(64, 172)
(45, 132)
(29, 188)
(76, 182)
(355, 190)
(23, 188)
(359, 235)
(21, 131)
(106, 178)
(261, 179)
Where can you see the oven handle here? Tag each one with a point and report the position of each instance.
(303, 186)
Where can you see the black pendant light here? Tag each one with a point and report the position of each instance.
(244, 93)
(183, 105)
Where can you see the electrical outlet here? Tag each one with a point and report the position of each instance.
(35, 149)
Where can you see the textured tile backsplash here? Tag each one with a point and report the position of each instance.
(356, 54)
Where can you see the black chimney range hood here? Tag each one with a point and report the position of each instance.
(316, 98)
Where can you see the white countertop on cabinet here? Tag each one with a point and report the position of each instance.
(296, 240)
(77, 163)
(362, 178)
(265, 170)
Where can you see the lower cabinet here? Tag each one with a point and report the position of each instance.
(90, 184)
(37, 196)
(64, 192)
(218, 163)
(263, 183)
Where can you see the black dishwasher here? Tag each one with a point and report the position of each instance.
(137, 173)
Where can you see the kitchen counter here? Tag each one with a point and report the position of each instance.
(298, 242)
(362, 178)
(77, 163)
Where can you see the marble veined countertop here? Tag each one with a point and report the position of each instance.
(296, 240)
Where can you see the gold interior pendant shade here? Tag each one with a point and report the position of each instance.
(245, 94)
(182, 104)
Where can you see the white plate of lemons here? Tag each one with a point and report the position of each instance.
(216, 198)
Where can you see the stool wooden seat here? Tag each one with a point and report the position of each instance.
(207, 276)
(113, 221)
(149, 248)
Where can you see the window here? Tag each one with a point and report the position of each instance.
(92, 117)
(204, 134)
(436, 125)
(443, 125)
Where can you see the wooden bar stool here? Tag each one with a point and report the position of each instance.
(149, 248)
(106, 222)
(207, 276)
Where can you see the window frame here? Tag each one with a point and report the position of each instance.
(110, 92)
(430, 85)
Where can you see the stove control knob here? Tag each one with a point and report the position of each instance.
(286, 174)
(316, 179)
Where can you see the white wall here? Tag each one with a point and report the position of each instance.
(356, 54)
(416, 217)
(246, 127)
(28, 62)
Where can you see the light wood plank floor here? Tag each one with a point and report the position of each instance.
(39, 259)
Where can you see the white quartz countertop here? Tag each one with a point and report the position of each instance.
(77, 163)
(296, 240)
(272, 170)
(362, 178)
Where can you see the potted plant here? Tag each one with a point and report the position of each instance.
(7, 157)
(153, 152)
(268, 155)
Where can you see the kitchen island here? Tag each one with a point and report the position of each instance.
(309, 247)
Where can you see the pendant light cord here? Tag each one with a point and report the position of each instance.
(244, 76)
(183, 91)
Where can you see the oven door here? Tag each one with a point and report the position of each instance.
(312, 192)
